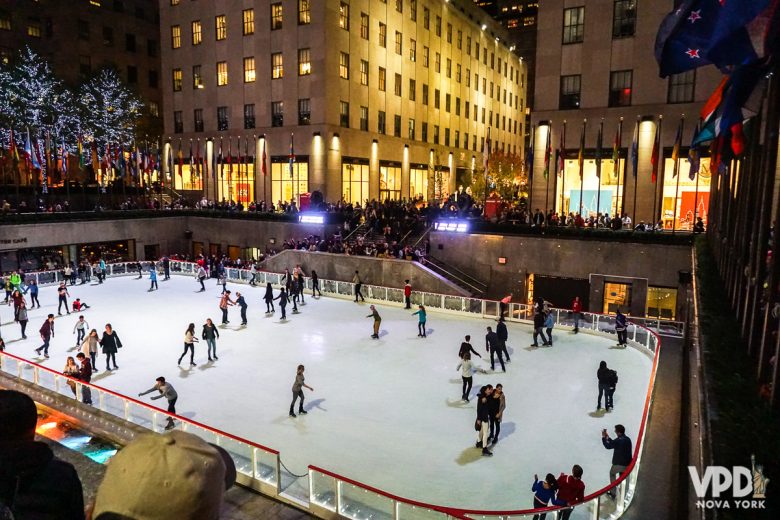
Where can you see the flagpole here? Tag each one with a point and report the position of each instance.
(598, 169)
(635, 163)
(659, 143)
(677, 144)
(581, 161)
(618, 198)
(563, 170)
(547, 169)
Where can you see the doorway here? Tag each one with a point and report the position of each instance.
(151, 252)
(616, 296)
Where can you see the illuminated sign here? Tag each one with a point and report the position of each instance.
(453, 225)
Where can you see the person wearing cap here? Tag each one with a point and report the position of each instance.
(33, 482)
(377, 321)
(166, 390)
(163, 477)
(297, 391)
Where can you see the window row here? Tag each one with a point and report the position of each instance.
(250, 73)
(681, 89)
(623, 21)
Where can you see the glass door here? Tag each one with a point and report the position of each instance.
(617, 295)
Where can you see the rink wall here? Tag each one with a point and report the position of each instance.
(388, 272)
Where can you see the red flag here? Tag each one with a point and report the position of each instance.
(265, 171)
(655, 159)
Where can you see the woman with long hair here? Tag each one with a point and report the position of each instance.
(71, 370)
(189, 344)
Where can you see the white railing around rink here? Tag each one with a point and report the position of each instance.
(332, 495)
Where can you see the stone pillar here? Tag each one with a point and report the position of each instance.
(405, 173)
(318, 164)
(373, 171)
(641, 185)
(539, 185)
(332, 183)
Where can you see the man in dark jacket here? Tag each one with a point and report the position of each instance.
(503, 335)
(492, 346)
(538, 326)
(85, 375)
(166, 262)
(33, 483)
(621, 455)
(466, 347)
(47, 332)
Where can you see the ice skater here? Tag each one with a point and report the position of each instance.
(503, 305)
(297, 391)
(315, 284)
(466, 348)
(377, 321)
(538, 326)
(47, 332)
(110, 343)
(421, 321)
(71, 370)
(241, 302)
(621, 328)
(576, 313)
(497, 406)
(201, 277)
(301, 282)
(503, 336)
(140, 270)
(21, 318)
(467, 369)
(482, 424)
(253, 272)
(294, 291)
(607, 379)
(282, 302)
(85, 375)
(358, 285)
(210, 334)
(80, 329)
(153, 277)
(408, 294)
(269, 299)
(549, 323)
(189, 344)
(79, 305)
(63, 294)
(492, 346)
(89, 348)
(224, 303)
(33, 288)
(166, 390)
(166, 262)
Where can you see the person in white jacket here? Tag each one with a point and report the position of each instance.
(189, 344)
(467, 369)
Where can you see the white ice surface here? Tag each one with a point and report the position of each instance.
(385, 412)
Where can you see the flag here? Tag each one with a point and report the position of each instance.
(562, 151)
(486, 152)
(180, 157)
(28, 152)
(742, 98)
(529, 155)
(170, 160)
(547, 152)
(292, 153)
(677, 144)
(192, 161)
(703, 32)
(198, 160)
(635, 150)
(694, 158)
(617, 142)
(65, 160)
(655, 157)
(230, 157)
(265, 170)
(221, 161)
(14, 149)
(599, 144)
(581, 153)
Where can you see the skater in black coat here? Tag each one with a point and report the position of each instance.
(503, 335)
(110, 343)
(315, 284)
(269, 298)
(241, 302)
(283, 302)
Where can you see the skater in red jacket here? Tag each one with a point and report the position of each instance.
(408, 294)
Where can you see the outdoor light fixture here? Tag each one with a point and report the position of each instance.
(451, 225)
(305, 218)
(484, 26)
(502, 260)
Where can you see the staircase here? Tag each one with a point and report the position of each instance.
(476, 287)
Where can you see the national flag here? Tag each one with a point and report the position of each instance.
(122, 162)
(655, 157)
(635, 151)
(265, 169)
(192, 161)
(65, 158)
(80, 148)
(562, 151)
(677, 142)
(694, 158)
(199, 166)
(581, 153)
(529, 154)
(30, 157)
(617, 142)
(246, 156)
(14, 149)
(486, 152)
(599, 145)
(171, 173)
(292, 153)
(547, 152)
(221, 161)
(95, 157)
(742, 100)
(700, 32)
(230, 157)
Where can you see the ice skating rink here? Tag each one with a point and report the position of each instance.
(384, 412)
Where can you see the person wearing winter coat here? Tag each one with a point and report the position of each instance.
(544, 493)
(408, 294)
(85, 375)
(33, 287)
(89, 347)
(538, 326)
(224, 303)
(497, 406)
(358, 285)
(621, 455)
(201, 276)
(282, 302)
(621, 328)
(607, 379)
(421, 321)
(110, 343)
(253, 272)
(483, 419)
(269, 299)
(21, 318)
(315, 284)
(153, 277)
(503, 336)
(492, 346)
(241, 302)
(549, 322)
(189, 344)
(571, 491)
(466, 348)
(377, 321)
(34, 483)
(301, 282)
(210, 334)
(47, 332)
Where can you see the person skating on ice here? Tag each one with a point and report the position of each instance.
(210, 335)
(287, 280)
(294, 294)
(466, 347)
(189, 344)
(282, 302)
(80, 329)
(110, 343)
(63, 294)
(153, 277)
(408, 294)
(167, 391)
(140, 270)
(467, 370)
(201, 277)
(253, 273)
(358, 285)
(497, 405)
(166, 263)
(607, 379)
(47, 332)
(621, 328)
(549, 323)
(315, 284)
(224, 303)
(377, 321)
(269, 299)
(89, 347)
(421, 321)
(482, 424)
(241, 302)
(576, 313)
(492, 346)
(33, 288)
(538, 329)
(85, 375)
(21, 318)
(503, 336)
(297, 391)
(301, 282)
(79, 305)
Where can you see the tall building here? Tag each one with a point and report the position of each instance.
(78, 37)
(595, 62)
(358, 99)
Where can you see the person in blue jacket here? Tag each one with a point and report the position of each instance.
(621, 328)
(549, 321)
(421, 323)
(621, 454)
(544, 493)
(153, 277)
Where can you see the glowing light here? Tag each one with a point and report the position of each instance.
(46, 426)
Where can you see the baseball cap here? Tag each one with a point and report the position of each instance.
(176, 475)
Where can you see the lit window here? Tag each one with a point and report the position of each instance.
(197, 77)
(364, 26)
(620, 88)
(222, 73)
(248, 17)
(382, 79)
(399, 6)
(304, 12)
(363, 72)
(382, 35)
(175, 36)
(221, 26)
(5, 21)
(344, 65)
(304, 62)
(197, 33)
(277, 65)
(249, 69)
(573, 25)
(276, 16)
(413, 50)
(413, 10)
(177, 80)
(344, 16)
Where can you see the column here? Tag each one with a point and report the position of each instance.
(373, 171)
(538, 189)
(331, 188)
(318, 164)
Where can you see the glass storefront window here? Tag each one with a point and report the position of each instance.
(354, 182)
(617, 296)
(389, 182)
(661, 302)
(236, 185)
(692, 196)
(190, 178)
(418, 183)
(606, 198)
(286, 187)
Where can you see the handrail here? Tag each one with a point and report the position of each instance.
(443, 265)
(487, 308)
(346, 238)
(441, 270)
